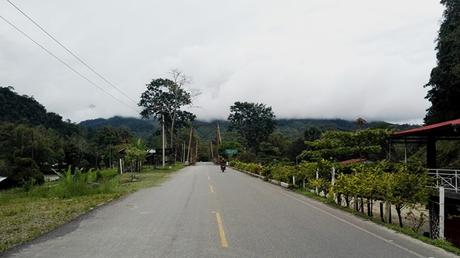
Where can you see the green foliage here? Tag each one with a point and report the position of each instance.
(274, 148)
(229, 145)
(283, 173)
(445, 77)
(85, 183)
(253, 121)
(368, 143)
(15, 108)
(164, 99)
(402, 185)
(139, 127)
(312, 134)
(251, 167)
(42, 145)
(24, 171)
(135, 155)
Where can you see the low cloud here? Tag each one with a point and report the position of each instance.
(315, 59)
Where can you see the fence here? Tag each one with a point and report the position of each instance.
(448, 178)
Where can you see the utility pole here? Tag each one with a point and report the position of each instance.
(212, 151)
(196, 149)
(183, 152)
(189, 144)
(218, 139)
(163, 138)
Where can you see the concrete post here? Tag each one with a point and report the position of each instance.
(317, 177)
(441, 212)
(333, 182)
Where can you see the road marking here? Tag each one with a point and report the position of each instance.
(209, 178)
(353, 225)
(223, 239)
(211, 189)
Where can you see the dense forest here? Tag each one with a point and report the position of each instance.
(34, 142)
(291, 128)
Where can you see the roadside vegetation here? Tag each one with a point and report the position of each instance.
(32, 210)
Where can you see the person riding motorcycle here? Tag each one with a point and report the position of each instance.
(223, 164)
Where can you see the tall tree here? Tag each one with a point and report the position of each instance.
(445, 77)
(164, 100)
(253, 121)
(312, 134)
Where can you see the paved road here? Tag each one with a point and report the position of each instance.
(201, 212)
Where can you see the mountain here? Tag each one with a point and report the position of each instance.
(291, 128)
(140, 127)
(15, 108)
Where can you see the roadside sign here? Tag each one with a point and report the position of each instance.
(230, 152)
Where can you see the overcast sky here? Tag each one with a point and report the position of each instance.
(305, 58)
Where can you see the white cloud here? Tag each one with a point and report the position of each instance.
(334, 59)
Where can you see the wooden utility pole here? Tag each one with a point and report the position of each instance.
(189, 144)
(212, 151)
(196, 149)
(218, 139)
(183, 152)
(218, 136)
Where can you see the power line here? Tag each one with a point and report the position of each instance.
(71, 52)
(63, 62)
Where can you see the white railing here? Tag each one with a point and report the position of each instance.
(448, 178)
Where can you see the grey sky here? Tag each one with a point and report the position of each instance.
(305, 58)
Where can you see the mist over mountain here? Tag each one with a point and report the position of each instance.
(291, 128)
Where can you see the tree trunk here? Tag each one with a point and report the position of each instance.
(398, 210)
(355, 201)
(381, 212)
(347, 201)
(372, 208)
(362, 205)
(390, 220)
(368, 207)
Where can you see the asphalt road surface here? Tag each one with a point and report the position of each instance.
(201, 212)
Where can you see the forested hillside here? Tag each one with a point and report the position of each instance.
(139, 127)
(34, 141)
(17, 108)
(291, 128)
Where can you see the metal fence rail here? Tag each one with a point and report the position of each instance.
(448, 178)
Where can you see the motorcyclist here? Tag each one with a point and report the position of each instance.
(223, 164)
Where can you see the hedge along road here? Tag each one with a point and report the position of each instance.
(201, 212)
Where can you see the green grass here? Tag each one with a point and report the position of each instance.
(28, 213)
(404, 230)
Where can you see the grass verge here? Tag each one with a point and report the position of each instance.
(404, 230)
(28, 213)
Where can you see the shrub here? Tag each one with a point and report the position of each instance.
(23, 171)
(91, 182)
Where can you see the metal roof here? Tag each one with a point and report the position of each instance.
(447, 128)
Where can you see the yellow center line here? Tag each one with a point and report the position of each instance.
(223, 239)
(211, 188)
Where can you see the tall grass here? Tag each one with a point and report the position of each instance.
(78, 184)
(86, 183)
